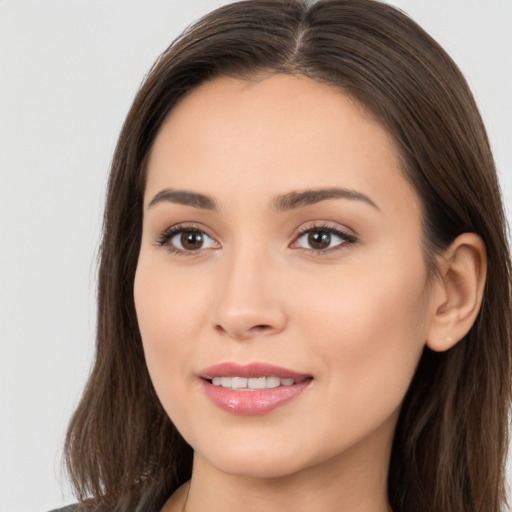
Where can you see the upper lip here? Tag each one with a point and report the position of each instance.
(252, 370)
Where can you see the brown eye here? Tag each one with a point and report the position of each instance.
(182, 240)
(191, 240)
(319, 240)
(323, 239)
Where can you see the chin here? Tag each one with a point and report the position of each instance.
(252, 458)
(260, 466)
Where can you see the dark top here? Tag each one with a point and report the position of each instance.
(69, 508)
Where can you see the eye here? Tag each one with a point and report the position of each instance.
(323, 238)
(186, 240)
(191, 241)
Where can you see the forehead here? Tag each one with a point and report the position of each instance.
(272, 135)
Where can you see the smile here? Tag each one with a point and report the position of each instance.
(251, 384)
(252, 389)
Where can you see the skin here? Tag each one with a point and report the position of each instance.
(355, 317)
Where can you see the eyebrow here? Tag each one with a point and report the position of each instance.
(184, 197)
(294, 200)
(289, 201)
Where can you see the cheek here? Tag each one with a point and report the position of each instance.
(368, 333)
(168, 302)
(170, 314)
(380, 319)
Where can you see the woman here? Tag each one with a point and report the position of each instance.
(304, 290)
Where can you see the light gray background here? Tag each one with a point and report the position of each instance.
(68, 72)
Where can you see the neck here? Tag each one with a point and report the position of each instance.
(354, 481)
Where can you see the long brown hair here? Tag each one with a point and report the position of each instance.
(451, 439)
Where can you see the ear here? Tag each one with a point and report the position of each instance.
(458, 291)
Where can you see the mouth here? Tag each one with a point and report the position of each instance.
(251, 384)
(252, 389)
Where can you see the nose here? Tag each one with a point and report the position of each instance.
(248, 302)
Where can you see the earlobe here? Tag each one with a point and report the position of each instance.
(458, 292)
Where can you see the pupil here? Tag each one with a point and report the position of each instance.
(319, 239)
(191, 240)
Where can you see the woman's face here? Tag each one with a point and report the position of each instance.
(281, 290)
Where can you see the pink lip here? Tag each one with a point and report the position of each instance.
(249, 371)
(251, 403)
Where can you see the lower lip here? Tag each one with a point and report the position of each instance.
(252, 403)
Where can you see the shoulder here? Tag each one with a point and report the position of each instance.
(68, 508)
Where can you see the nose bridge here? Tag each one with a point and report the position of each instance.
(248, 300)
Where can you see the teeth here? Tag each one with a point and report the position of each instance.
(242, 383)
(257, 383)
(273, 382)
(238, 383)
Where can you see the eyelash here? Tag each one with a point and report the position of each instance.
(347, 238)
(164, 239)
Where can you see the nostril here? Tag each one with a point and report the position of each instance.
(220, 329)
(261, 327)
(240, 332)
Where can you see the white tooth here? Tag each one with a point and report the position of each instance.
(225, 382)
(273, 382)
(238, 382)
(217, 381)
(287, 382)
(257, 383)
